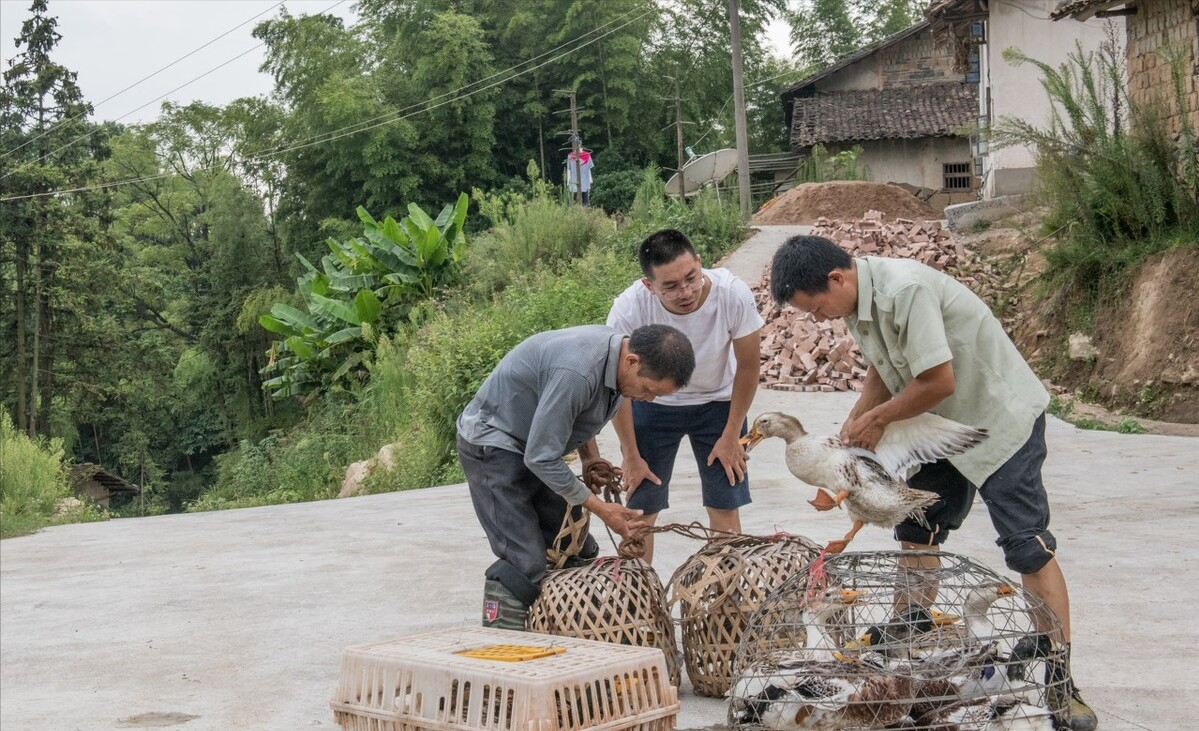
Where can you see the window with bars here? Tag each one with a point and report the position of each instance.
(957, 175)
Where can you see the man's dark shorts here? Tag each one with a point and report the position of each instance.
(1015, 498)
(660, 429)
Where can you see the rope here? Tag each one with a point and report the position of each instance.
(603, 479)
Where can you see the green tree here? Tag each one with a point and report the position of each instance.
(823, 31)
(50, 145)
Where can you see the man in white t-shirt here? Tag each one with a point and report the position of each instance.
(717, 313)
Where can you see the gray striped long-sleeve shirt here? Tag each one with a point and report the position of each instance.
(547, 396)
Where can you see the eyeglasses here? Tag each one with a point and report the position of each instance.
(675, 291)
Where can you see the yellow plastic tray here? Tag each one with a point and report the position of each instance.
(512, 653)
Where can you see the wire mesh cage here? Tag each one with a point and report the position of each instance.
(615, 600)
(900, 639)
(718, 588)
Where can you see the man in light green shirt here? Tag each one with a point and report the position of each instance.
(934, 346)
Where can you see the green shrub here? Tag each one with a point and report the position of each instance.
(614, 183)
(307, 464)
(544, 266)
(820, 166)
(1115, 184)
(541, 231)
(32, 480)
(712, 223)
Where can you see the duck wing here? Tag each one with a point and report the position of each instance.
(922, 439)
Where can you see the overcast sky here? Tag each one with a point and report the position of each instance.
(115, 43)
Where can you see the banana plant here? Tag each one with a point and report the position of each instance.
(390, 268)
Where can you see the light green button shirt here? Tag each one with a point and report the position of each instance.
(911, 317)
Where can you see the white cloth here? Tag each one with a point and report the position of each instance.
(729, 313)
(584, 171)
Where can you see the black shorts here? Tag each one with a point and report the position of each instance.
(1015, 498)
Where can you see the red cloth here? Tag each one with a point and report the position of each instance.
(584, 156)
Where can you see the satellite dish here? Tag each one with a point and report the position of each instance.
(702, 171)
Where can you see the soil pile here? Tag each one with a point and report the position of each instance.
(1148, 342)
(842, 199)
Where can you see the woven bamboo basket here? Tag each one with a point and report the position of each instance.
(615, 600)
(718, 588)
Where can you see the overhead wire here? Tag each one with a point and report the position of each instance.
(109, 98)
(218, 67)
(393, 114)
(386, 119)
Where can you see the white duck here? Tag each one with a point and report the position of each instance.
(763, 686)
(987, 715)
(871, 484)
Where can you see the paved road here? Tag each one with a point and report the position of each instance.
(236, 620)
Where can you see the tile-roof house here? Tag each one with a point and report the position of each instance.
(93, 481)
(903, 102)
(975, 33)
(1154, 30)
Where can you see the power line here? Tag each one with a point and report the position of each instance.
(218, 67)
(365, 121)
(356, 128)
(511, 69)
(143, 79)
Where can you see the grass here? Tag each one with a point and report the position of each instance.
(1063, 409)
(33, 484)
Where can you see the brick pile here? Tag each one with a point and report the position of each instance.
(800, 354)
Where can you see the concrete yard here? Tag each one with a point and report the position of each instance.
(236, 620)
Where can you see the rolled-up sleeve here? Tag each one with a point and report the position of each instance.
(564, 396)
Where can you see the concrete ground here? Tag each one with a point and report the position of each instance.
(237, 619)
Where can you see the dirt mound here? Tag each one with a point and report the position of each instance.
(1147, 341)
(1150, 342)
(843, 199)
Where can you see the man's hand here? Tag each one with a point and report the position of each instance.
(732, 457)
(635, 470)
(600, 475)
(626, 522)
(865, 431)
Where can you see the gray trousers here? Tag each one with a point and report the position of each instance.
(519, 513)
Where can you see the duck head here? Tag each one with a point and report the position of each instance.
(773, 424)
(822, 608)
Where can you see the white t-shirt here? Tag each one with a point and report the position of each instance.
(729, 313)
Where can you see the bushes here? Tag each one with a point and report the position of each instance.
(538, 231)
(306, 464)
(1116, 185)
(544, 265)
(453, 354)
(32, 480)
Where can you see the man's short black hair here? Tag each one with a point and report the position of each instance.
(665, 352)
(662, 247)
(802, 264)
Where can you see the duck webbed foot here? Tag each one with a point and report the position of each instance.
(823, 502)
(837, 546)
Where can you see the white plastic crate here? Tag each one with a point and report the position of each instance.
(566, 684)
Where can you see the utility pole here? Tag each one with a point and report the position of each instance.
(576, 148)
(739, 110)
(576, 145)
(678, 126)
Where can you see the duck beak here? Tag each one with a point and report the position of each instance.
(943, 619)
(751, 440)
(860, 643)
(1005, 590)
(850, 596)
